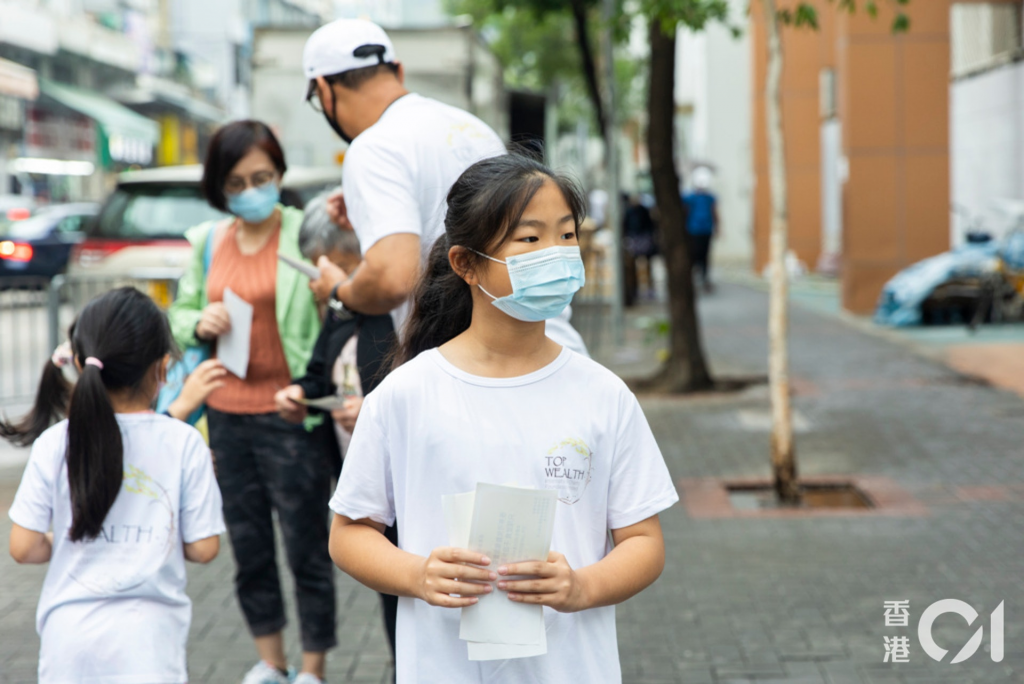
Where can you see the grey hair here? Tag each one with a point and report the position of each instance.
(320, 235)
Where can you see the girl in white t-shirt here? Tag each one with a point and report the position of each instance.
(129, 496)
(481, 395)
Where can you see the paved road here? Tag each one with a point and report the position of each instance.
(796, 600)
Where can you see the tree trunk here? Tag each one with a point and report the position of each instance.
(686, 369)
(579, 15)
(783, 453)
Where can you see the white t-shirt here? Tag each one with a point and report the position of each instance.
(431, 429)
(114, 609)
(345, 376)
(397, 174)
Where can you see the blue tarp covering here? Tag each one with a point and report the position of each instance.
(901, 298)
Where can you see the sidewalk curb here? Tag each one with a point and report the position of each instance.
(865, 325)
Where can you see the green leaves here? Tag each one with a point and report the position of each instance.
(694, 14)
(533, 46)
(806, 14)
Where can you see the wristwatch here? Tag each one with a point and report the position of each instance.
(338, 306)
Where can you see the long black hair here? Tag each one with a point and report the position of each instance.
(51, 404)
(484, 207)
(125, 332)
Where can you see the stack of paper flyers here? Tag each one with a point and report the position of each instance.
(508, 525)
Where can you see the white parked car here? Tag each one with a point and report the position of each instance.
(139, 232)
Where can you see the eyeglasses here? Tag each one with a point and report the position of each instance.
(237, 184)
(313, 98)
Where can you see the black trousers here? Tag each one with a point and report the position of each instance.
(700, 248)
(265, 464)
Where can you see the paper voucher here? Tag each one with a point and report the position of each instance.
(233, 346)
(508, 524)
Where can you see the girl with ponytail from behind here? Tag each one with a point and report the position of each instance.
(481, 394)
(115, 498)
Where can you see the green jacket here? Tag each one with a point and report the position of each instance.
(298, 321)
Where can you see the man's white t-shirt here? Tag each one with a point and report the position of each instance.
(114, 609)
(397, 174)
(431, 429)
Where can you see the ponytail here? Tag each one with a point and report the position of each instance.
(484, 207)
(442, 306)
(118, 339)
(95, 454)
(50, 407)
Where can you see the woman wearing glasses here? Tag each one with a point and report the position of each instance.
(264, 463)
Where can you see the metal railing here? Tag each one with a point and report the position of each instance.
(24, 338)
(35, 314)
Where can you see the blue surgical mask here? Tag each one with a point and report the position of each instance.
(543, 282)
(255, 204)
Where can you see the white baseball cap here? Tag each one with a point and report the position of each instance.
(702, 178)
(343, 45)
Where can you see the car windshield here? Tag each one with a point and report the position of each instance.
(153, 211)
(34, 227)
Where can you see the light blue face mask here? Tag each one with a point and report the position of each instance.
(543, 282)
(255, 204)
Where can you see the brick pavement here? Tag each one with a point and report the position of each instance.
(796, 600)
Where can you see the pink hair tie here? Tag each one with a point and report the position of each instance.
(93, 361)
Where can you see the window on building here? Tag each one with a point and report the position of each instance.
(984, 36)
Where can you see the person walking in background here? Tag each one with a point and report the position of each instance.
(130, 495)
(640, 242)
(349, 359)
(481, 394)
(405, 152)
(701, 223)
(264, 463)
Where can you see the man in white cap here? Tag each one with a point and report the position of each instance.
(405, 153)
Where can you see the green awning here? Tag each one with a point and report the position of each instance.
(114, 119)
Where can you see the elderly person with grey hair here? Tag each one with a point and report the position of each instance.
(320, 236)
(348, 360)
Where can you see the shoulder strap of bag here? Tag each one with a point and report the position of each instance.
(208, 249)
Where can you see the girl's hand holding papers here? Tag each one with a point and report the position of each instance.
(448, 571)
(554, 583)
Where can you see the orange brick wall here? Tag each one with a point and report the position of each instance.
(893, 101)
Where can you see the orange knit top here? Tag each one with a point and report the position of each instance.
(253, 277)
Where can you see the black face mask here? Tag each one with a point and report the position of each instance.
(335, 126)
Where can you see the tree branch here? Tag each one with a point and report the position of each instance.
(579, 15)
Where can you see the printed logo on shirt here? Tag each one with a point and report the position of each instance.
(462, 139)
(567, 468)
(126, 553)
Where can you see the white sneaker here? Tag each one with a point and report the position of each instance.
(262, 673)
(307, 678)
